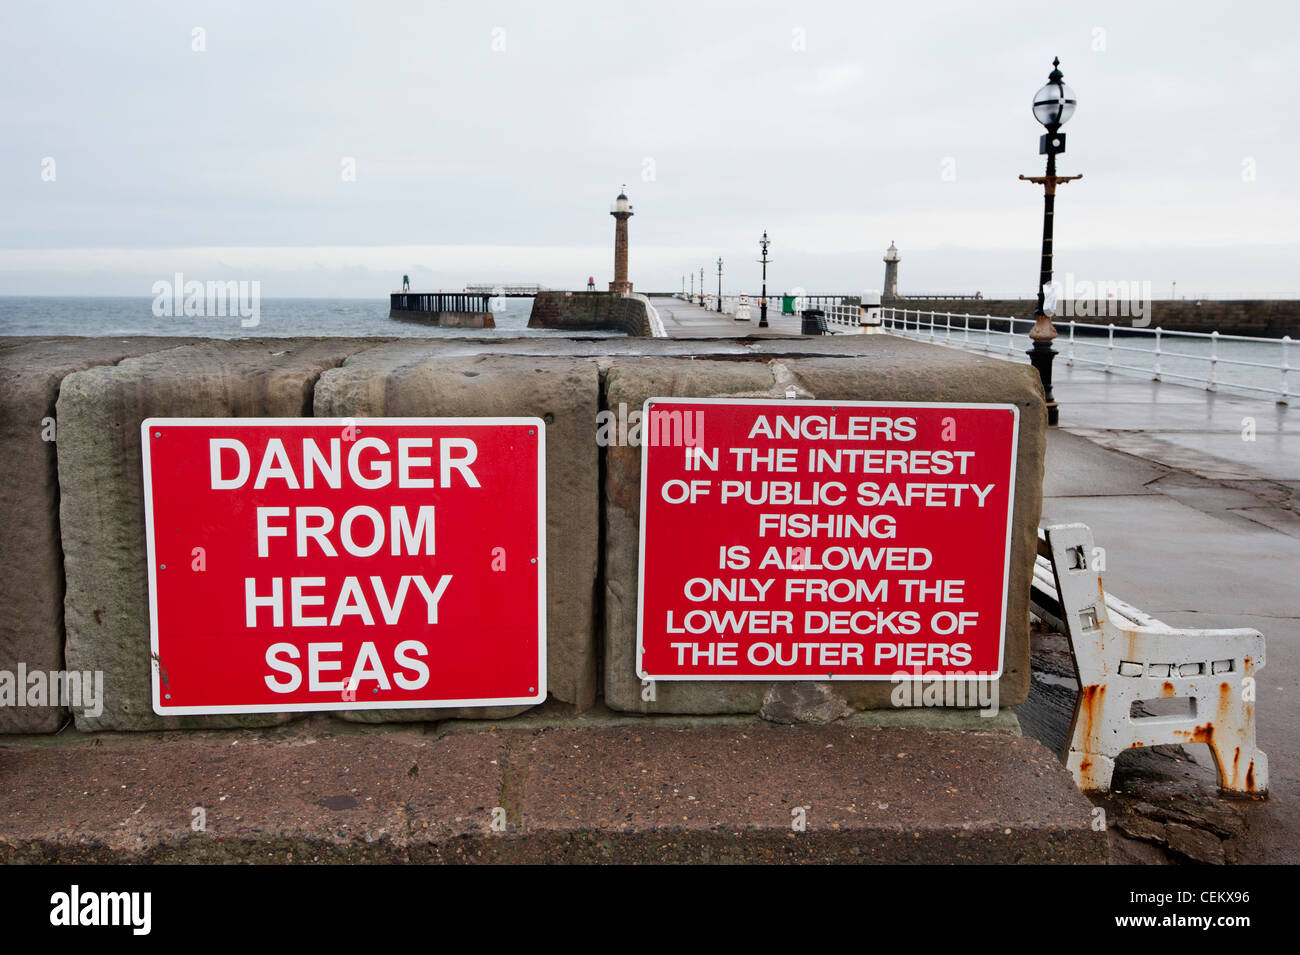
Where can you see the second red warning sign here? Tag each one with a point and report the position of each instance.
(807, 540)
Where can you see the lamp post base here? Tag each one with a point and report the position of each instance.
(1041, 355)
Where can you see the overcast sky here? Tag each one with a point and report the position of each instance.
(489, 139)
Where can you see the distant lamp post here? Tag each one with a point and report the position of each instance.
(719, 283)
(762, 302)
(1053, 106)
(701, 285)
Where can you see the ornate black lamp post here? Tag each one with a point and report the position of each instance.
(762, 302)
(1053, 106)
(719, 283)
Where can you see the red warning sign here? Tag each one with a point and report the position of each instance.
(324, 564)
(817, 540)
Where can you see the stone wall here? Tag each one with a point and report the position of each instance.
(590, 311)
(31, 587)
(444, 319)
(1271, 318)
(73, 507)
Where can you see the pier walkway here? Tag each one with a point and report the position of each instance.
(683, 320)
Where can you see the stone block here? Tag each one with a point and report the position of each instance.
(889, 369)
(31, 588)
(101, 488)
(412, 380)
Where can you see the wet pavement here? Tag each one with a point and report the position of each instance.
(1200, 528)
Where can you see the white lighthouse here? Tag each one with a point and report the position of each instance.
(891, 271)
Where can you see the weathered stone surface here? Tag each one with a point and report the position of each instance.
(281, 797)
(102, 495)
(889, 369)
(729, 793)
(410, 379)
(31, 587)
(804, 703)
(632, 793)
(1195, 843)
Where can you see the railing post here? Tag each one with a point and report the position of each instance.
(1110, 346)
(947, 321)
(965, 335)
(931, 323)
(1155, 371)
(1285, 391)
(1214, 360)
(988, 332)
(1069, 357)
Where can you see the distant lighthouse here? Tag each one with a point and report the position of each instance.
(891, 271)
(621, 212)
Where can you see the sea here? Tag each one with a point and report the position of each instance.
(100, 317)
(1183, 360)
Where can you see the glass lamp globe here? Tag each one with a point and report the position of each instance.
(1054, 103)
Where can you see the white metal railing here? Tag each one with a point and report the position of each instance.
(841, 319)
(1092, 345)
(843, 316)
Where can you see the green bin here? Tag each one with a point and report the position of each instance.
(787, 304)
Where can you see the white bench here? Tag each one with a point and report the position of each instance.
(1123, 656)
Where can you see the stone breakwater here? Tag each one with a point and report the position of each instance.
(75, 594)
(591, 311)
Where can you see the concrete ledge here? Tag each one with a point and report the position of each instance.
(611, 794)
(31, 588)
(410, 379)
(892, 370)
(102, 495)
(343, 799)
